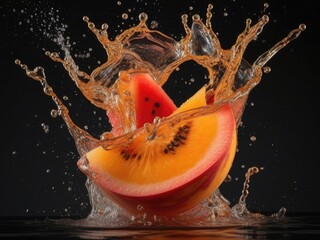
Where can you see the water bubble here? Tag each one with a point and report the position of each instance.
(54, 113)
(124, 16)
(143, 17)
(48, 170)
(266, 69)
(253, 138)
(154, 24)
(119, 3)
(302, 27)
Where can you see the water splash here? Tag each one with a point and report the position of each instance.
(230, 79)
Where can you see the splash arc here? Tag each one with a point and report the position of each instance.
(140, 49)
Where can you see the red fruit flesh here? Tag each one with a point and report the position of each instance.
(150, 99)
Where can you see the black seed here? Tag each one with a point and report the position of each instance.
(182, 137)
(153, 112)
(174, 143)
(139, 156)
(169, 146)
(146, 99)
(157, 104)
(127, 156)
(133, 155)
(187, 130)
(123, 152)
(165, 150)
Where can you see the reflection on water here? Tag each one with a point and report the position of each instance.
(304, 226)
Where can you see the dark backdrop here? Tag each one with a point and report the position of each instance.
(38, 173)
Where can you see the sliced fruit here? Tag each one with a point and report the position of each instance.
(173, 170)
(150, 100)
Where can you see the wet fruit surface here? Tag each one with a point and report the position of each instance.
(170, 168)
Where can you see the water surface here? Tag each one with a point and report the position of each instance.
(306, 226)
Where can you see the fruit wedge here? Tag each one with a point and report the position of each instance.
(178, 167)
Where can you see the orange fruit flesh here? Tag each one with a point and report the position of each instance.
(155, 171)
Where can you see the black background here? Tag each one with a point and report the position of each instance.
(38, 173)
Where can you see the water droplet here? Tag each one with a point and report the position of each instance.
(45, 127)
(54, 113)
(143, 17)
(196, 17)
(124, 16)
(86, 19)
(302, 27)
(119, 3)
(266, 69)
(154, 24)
